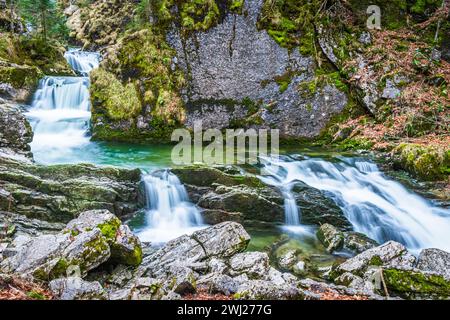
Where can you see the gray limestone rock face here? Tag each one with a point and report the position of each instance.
(234, 62)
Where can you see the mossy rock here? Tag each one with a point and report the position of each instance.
(425, 162)
(119, 101)
(413, 284)
(202, 176)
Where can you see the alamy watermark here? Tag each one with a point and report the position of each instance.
(374, 20)
(232, 146)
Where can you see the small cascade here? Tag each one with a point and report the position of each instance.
(169, 212)
(273, 175)
(60, 111)
(375, 205)
(82, 62)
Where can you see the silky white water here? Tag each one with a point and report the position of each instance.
(375, 205)
(60, 112)
(82, 62)
(169, 212)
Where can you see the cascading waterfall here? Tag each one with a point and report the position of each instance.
(376, 206)
(60, 111)
(82, 62)
(169, 212)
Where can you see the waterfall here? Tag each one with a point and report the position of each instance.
(274, 176)
(375, 205)
(82, 62)
(60, 111)
(169, 212)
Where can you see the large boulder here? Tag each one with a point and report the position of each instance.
(416, 284)
(211, 62)
(125, 246)
(220, 241)
(253, 264)
(334, 240)
(434, 260)
(331, 237)
(86, 243)
(317, 208)
(74, 288)
(253, 204)
(51, 256)
(58, 193)
(388, 254)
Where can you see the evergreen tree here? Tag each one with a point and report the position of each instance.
(44, 17)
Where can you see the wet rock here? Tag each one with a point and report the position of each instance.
(254, 204)
(357, 242)
(434, 260)
(74, 288)
(335, 240)
(317, 208)
(244, 198)
(59, 193)
(331, 237)
(388, 254)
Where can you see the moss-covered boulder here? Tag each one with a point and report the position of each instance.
(330, 237)
(125, 247)
(388, 254)
(48, 257)
(135, 92)
(416, 284)
(424, 162)
(24, 60)
(94, 238)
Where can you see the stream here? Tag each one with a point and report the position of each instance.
(375, 205)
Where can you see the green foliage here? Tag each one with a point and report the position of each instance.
(120, 101)
(36, 295)
(427, 163)
(45, 18)
(290, 22)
